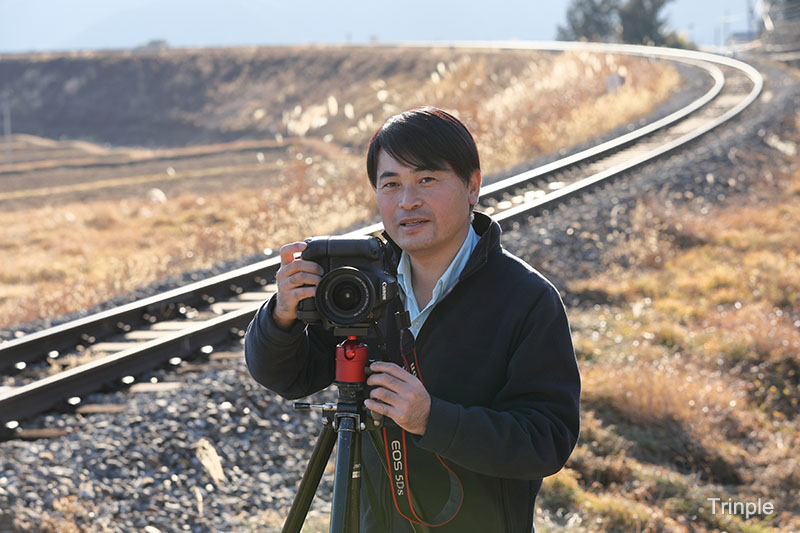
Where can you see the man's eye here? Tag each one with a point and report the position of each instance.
(389, 185)
(427, 179)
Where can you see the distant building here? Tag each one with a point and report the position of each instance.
(153, 46)
(741, 37)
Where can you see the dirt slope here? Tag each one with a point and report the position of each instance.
(178, 97)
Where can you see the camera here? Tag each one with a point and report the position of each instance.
(356, 285)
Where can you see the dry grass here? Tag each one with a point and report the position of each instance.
(692, 365)
(552, 102)
(69, 515)
(721, 288)
(69, 256)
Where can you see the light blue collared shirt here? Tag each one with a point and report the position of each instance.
(442, 286)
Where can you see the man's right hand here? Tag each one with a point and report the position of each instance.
(297, 280)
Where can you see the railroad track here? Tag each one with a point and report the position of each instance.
(111, 348)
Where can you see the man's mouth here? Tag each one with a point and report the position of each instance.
(412, 223)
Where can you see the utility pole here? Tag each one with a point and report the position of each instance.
(725, 29)
(7, 125)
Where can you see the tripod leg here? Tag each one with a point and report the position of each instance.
(345, 448)
(354, 497)
(310, 482)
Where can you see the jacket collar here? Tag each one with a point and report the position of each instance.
(489, 232)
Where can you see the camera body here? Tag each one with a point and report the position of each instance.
(357, 284)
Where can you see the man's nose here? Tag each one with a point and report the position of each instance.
(410, 198)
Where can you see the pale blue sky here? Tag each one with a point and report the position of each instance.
(38, 25)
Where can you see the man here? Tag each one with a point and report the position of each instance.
(494, 392)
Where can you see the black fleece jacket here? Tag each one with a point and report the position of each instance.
(496, 356)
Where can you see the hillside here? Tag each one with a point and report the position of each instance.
(179, 97)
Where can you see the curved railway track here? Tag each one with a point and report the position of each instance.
(109, 349)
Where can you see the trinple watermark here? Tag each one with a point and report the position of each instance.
(747, 509)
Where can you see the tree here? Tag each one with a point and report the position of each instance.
(590, 20)
(791, 9)
(642, 22)
(629, 21)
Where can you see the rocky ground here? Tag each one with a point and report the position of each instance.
(150, 468)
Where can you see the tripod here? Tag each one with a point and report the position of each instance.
(343, 424)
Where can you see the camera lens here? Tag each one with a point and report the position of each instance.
(344, 296)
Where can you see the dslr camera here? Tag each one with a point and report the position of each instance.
(357, 284)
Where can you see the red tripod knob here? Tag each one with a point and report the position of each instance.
(351, 358)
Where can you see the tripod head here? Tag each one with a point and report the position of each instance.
(352, 358)
(352, 369)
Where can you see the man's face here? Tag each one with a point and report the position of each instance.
(426, 212)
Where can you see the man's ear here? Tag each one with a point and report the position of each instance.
(474, 187)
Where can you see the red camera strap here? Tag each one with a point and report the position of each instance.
(394, 438)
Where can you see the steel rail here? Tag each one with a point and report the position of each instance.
(584, 185)
(24, 401)
(66, 336)
(609, 147)
(49, 392)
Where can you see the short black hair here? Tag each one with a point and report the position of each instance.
(425, 138)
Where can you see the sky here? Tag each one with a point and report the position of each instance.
(45, 25)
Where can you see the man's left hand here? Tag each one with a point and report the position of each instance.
(400, 396)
